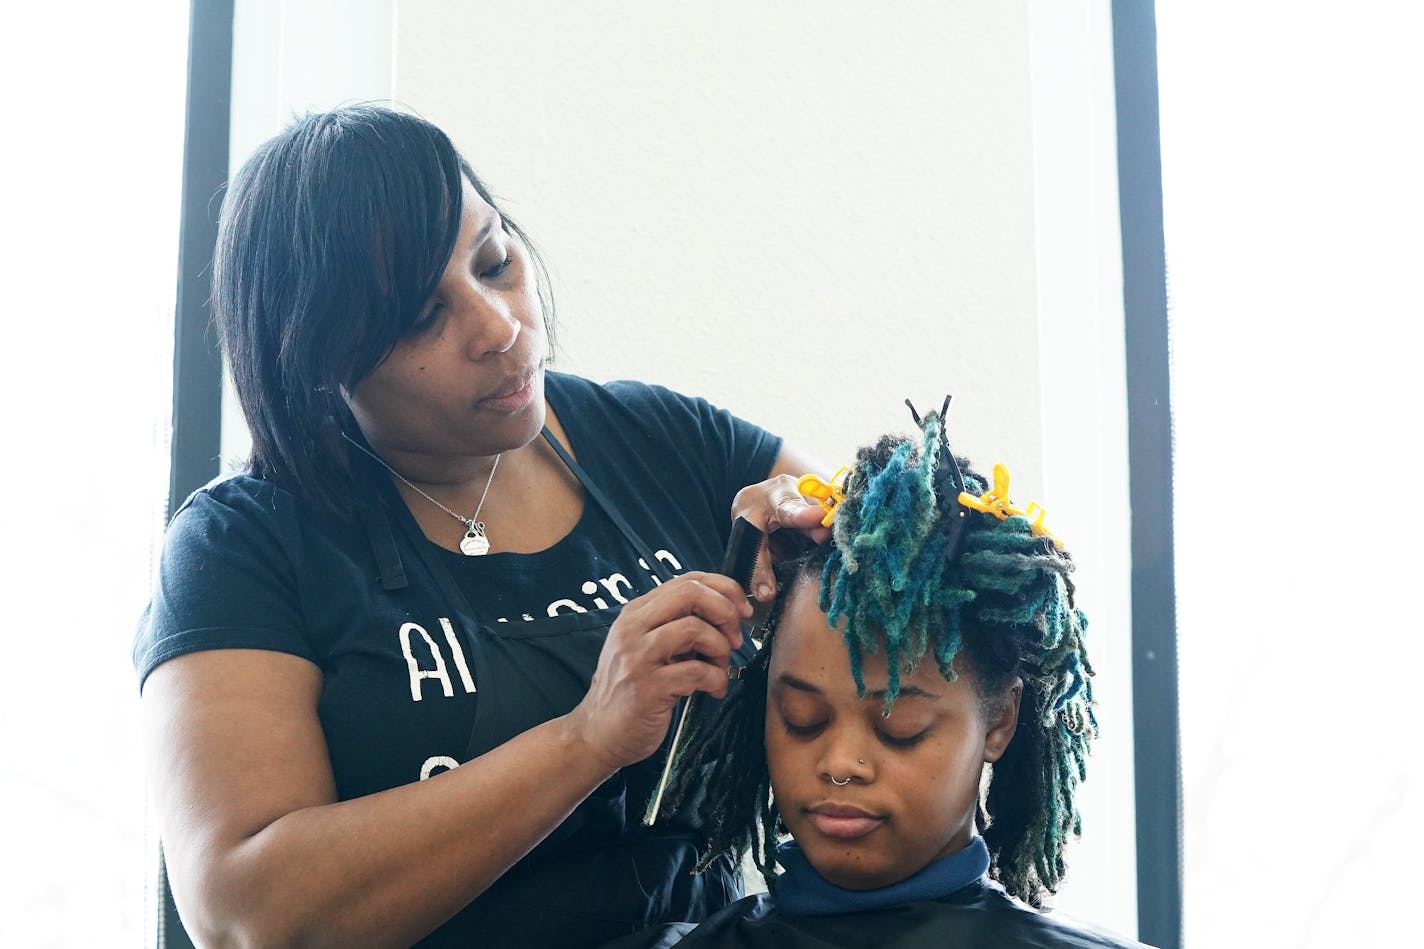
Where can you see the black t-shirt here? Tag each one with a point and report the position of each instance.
(247, 565)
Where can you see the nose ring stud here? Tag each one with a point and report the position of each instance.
(841, 783)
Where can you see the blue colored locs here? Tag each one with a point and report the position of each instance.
(915, 573)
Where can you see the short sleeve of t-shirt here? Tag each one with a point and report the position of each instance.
(226, 579)
(728, 452)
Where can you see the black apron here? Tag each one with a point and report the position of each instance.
(601, 873)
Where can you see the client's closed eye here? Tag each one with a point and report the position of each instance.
(798, 730)
(901, 741)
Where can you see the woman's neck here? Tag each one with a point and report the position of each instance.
(532, 501)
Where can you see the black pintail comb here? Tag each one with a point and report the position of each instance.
(738, 562)
(743, 546)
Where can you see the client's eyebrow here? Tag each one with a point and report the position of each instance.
(800, 685)
(906, 691)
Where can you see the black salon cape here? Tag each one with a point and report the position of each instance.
(978, 916)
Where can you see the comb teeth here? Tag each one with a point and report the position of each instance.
(743, 547)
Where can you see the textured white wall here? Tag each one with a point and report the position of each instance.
(807, 214)
(1084, 435)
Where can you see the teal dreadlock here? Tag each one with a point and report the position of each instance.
(886, 574)
(914, 573)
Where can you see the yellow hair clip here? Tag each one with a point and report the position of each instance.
(828, 494)
(996, 501)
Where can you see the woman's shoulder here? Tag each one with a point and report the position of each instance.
(627, 415)
(238, 505)
(233, 513)
(568, 390)
(227, 576)
(1013, 924)
(978, 915)
(237, 495)
(653, 413)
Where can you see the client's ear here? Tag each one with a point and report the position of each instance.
(1005, 720)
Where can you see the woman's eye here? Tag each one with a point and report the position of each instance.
(898, 741)
(796, 730)
(499, 268)
(426, 319)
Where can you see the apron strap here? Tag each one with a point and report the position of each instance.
(464, 618)
(740, 657)
(747, 651)
(383, 547)
(609, 508)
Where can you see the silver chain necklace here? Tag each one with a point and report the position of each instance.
(474, 543)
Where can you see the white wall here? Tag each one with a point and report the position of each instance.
(1082, 378)
(807, 213)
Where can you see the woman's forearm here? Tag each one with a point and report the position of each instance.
(386, 869)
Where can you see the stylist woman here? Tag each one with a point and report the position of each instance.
(408, 679)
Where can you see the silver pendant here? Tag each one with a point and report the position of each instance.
(475, 544)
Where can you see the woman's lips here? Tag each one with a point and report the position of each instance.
(842, 822)
(512, 398)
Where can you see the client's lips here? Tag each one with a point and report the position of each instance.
(842, 821)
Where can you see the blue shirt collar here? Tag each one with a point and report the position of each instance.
(801, 891)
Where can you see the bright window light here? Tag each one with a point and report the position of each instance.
(1292, 152)
(91, 178)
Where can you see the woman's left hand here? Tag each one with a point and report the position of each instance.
(772, 505)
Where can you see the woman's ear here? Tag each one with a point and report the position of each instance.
(1002, 724)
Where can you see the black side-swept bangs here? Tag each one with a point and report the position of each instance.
(333, 236)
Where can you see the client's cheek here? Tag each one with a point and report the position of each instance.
(792, 782)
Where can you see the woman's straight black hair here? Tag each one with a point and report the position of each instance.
(332, 237)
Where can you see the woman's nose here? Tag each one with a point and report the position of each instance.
(490, 327)
(844, 760)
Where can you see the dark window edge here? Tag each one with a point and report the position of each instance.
(197, 367)
(1157, 756)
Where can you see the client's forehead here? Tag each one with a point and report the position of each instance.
(808, 655)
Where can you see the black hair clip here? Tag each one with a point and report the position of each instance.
(960, 515)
